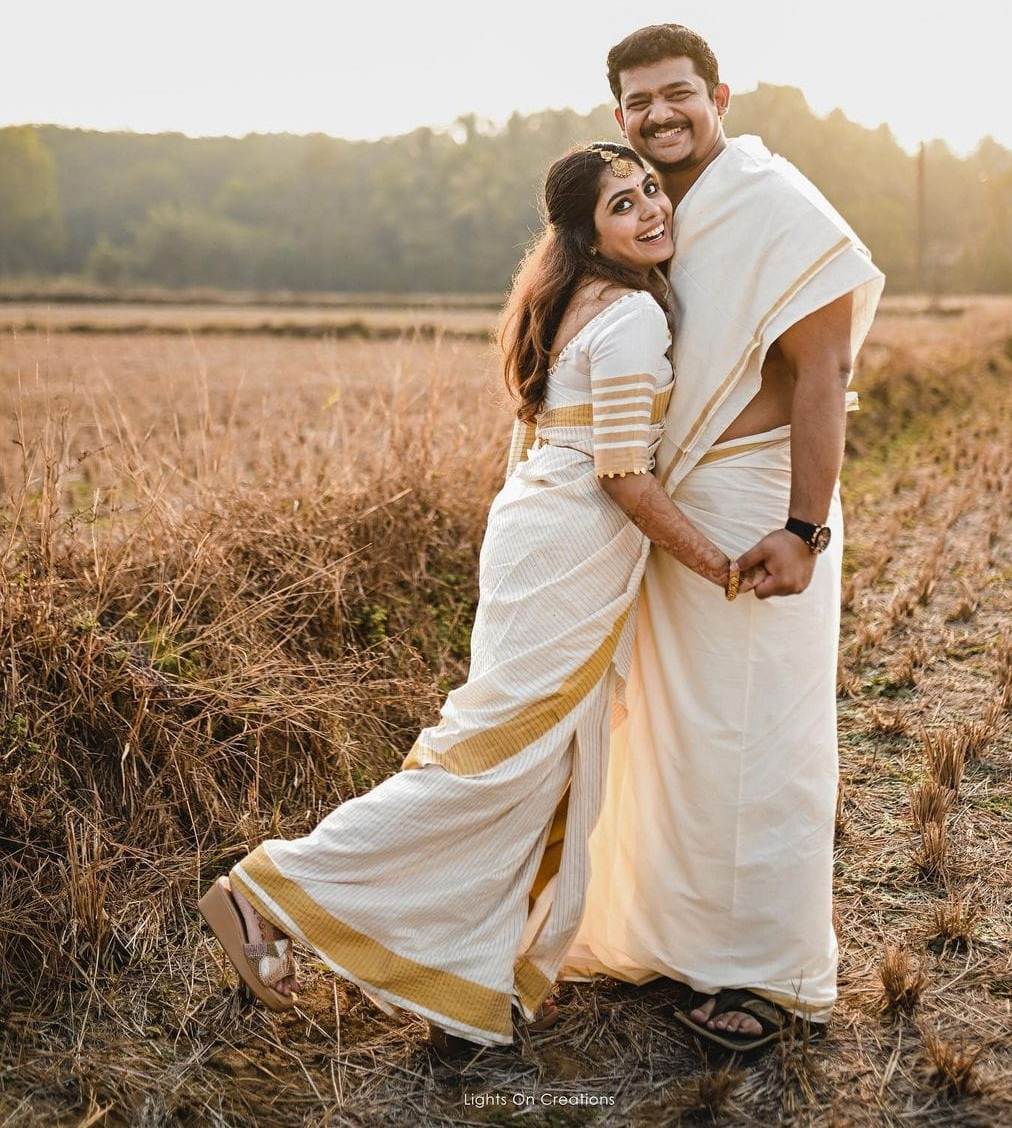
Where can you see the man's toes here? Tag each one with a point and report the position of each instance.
(701, 1014)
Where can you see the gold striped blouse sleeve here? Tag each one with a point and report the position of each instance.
(625, 353)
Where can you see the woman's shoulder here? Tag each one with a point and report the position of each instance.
(631, 311)
(590, 305)
(613, 301)
(607, 306)
(603, 313)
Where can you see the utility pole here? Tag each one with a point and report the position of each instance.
(921, 221)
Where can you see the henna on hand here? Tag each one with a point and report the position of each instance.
(652, 511)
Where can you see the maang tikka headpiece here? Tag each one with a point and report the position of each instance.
(620, 166)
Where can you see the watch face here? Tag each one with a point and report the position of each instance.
(821, 539)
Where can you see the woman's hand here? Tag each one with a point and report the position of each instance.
(719, 572)
(648, 506)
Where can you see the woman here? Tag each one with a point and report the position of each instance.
(421, 891)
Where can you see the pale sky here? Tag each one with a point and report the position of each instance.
(366, 69)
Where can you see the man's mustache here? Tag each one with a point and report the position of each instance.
(660, 128)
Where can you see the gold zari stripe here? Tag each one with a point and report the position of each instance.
(532, 986)
(582, 414)
(615, 383)
(713, 402)
(489, 747)
(719, 454)
(367, 959)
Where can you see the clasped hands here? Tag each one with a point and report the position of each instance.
(780, 564)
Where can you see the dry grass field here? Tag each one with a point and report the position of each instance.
(237, 575)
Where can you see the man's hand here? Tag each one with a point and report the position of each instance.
(786, 558)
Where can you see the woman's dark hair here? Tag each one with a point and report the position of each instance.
(559, 261)
(661, 41)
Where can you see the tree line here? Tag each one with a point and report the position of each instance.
(438, 211)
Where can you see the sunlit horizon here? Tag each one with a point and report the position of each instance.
(232, 70)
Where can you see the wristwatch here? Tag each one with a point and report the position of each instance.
(817, 537)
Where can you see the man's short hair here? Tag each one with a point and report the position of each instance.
(661, 41)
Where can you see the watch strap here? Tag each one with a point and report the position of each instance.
(804, 529)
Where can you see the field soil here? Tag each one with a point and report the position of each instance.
(238, 575)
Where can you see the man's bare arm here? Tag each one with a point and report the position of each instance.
(816, 351)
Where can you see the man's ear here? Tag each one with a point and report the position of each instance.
(621, 120)
(722, 97)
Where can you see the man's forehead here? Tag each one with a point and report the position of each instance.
(654, 76)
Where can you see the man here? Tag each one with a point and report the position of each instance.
(712, 859)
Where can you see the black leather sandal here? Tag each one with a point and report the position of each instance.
(772, 1018)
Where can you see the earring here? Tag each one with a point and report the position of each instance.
(593, 250)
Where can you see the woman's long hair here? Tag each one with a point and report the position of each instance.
(555, 265)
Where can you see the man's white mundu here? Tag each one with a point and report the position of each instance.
(712, 859)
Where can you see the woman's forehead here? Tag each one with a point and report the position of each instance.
(611, 186)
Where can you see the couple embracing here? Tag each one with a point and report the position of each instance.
(638, 778)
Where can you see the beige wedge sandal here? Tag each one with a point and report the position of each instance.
(260, 965)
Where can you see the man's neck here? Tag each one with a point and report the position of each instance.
(676, 184)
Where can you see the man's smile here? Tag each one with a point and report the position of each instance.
(668, 132)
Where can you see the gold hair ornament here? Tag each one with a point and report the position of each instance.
(620, 166)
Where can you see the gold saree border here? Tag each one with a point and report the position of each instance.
(490, 747)
(531, 984)
(735, 373)
(459, 999)
(521, 440)
(719, 455)
(551, 858)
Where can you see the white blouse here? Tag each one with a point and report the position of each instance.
(616, 362)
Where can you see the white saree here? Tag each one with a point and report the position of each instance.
(712, 858)
(421, 890)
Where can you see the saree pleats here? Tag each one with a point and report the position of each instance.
(421, 890)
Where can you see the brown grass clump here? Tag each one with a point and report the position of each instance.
(903, 980)
(951, 1066)
(890, 721)
(977, 735)
(956, 922)
(945, 755)
(930, 804)
(707, 1096)
(966, 607)
(1003, 670)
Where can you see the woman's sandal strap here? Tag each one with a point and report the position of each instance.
(278, 949)
(273, 960)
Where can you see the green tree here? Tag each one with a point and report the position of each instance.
(30, 218)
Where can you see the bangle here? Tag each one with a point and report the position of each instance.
(733, 580)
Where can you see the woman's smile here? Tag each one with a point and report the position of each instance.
(654, 235)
